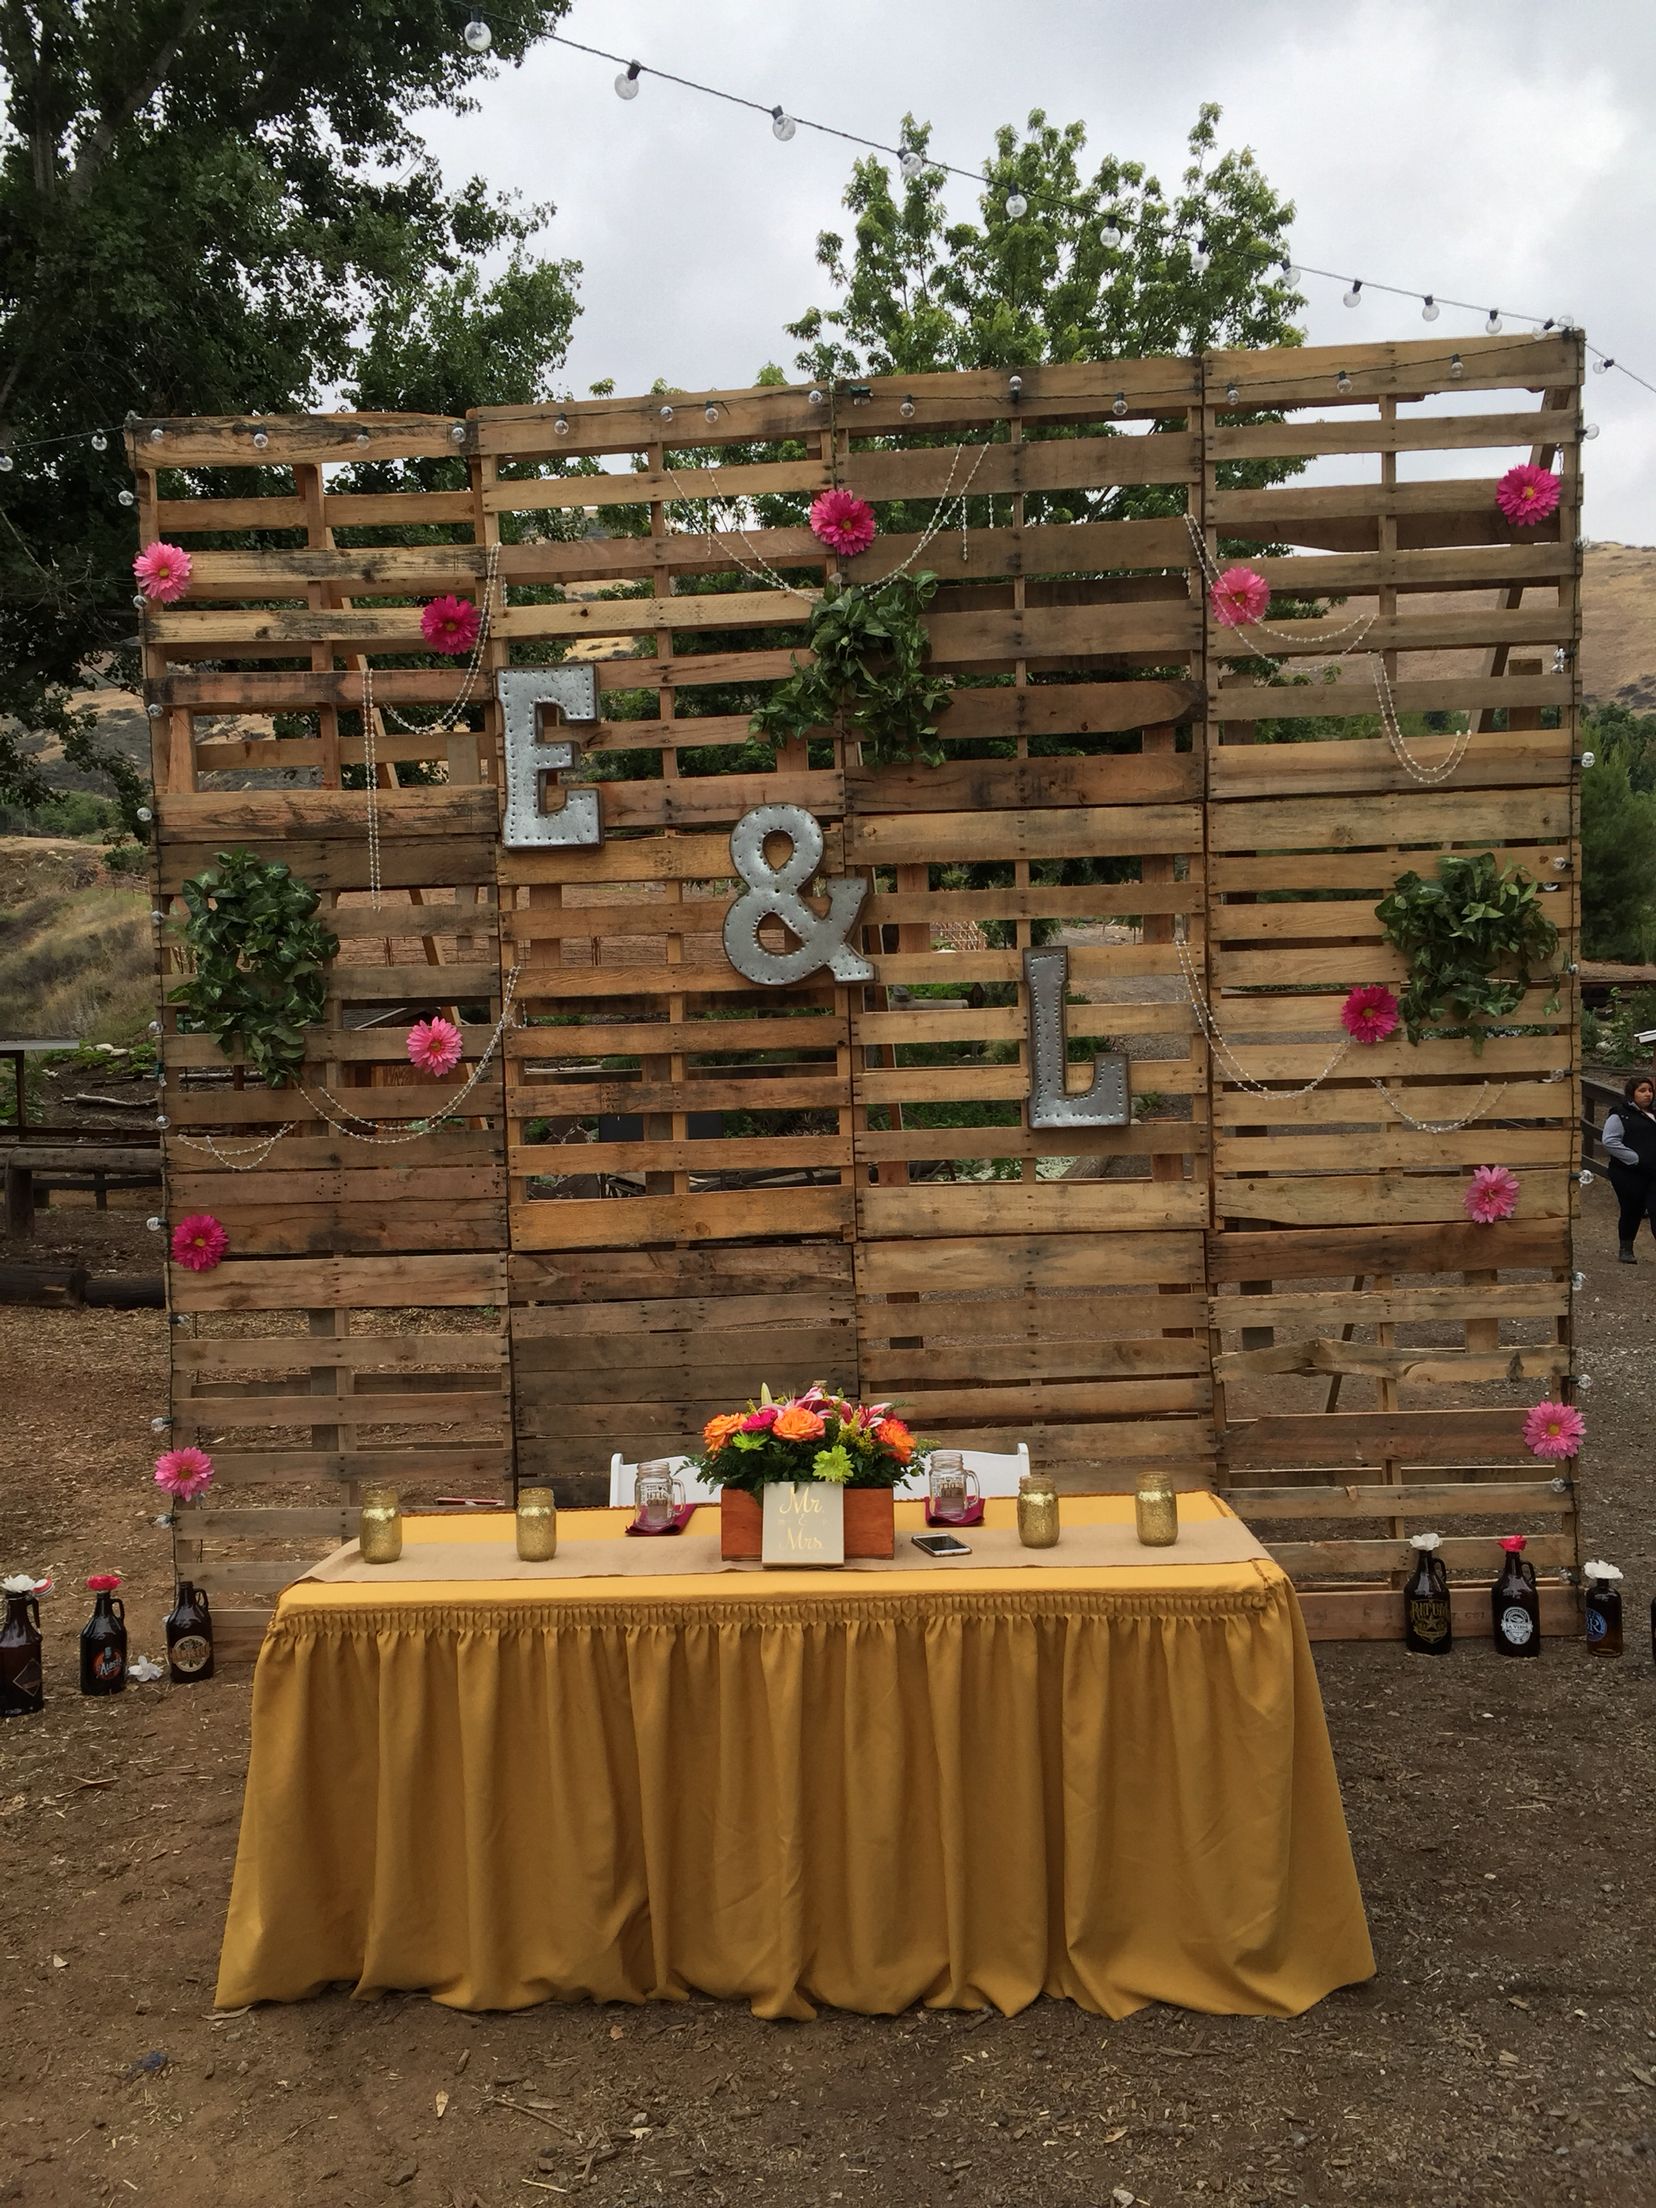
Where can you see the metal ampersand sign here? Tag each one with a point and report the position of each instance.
(777, 891)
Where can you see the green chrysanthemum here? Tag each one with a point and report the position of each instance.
(833, 1464)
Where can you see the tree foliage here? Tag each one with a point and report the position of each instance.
(917, 293)
(211, 210)
(1618, 836)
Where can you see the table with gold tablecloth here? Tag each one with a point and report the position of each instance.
(957, 1784)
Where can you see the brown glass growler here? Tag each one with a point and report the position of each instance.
(22, 1686)
(190, 1636)
(1601, 1606)
(1427, 1630)
(1515, 1606)
(103, 1645)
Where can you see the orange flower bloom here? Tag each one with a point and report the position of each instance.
(798, 1424)
(718, 1431)
(896, 1437)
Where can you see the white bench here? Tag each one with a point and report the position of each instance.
(996, 1475)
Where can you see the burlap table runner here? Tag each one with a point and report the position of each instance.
(695, 1554)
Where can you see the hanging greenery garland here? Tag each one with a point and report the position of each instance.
(1457, 934)
(259, 961)
(870, 666)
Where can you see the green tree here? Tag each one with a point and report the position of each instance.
(1618, 836)
(918, 294)
(210, 210)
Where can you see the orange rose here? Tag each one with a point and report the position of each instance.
(896, 1438)
(798, 1424)
(718, 1431)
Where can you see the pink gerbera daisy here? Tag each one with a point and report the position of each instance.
(199, 1242)
(185, 1473)
(1554, 1430)
(450, 625)
(163, 572)
(1369, 1015)
(434, 1045)
(1527, 494)
(1239, 596)
(843, 522)
(1491, 1194)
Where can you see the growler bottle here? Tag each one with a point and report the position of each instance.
(1602, 1609)
(1426, 1623)
(1514, 1604)
(190, 1636)
(103, 1641)
(22, 1688)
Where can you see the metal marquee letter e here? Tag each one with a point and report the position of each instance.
(1050, 1104)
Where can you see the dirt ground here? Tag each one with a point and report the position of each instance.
(1501, 1815)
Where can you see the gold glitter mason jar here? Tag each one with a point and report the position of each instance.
(537, 1525)
(379, 1535)
(1156, 1511)
(1037, 1512)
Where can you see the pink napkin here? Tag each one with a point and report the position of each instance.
(681, 1518)
(971, 1516)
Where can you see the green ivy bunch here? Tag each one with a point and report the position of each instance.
(1457, 933)
(259, 961)
(870, 666)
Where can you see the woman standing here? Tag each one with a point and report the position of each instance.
(1630, 1140)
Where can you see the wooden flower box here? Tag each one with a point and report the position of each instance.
(870, 1523)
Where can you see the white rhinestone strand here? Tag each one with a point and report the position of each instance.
(1229, 1063)
(1487, 1103)
(1399, 743)
(337, 1114)
(1362, 622)
(240, 1161)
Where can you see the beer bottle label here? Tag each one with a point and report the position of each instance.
(108, 1663)
(26, 1679)
(191, 1652)
(1516, 1624)
(1429, 1618)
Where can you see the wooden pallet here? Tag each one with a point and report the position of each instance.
(674, 1183)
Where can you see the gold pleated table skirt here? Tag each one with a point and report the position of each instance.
(954, 1786)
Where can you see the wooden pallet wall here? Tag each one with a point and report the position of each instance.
(673, 1182)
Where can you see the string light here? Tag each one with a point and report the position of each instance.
(1016, 206)
(1493, 325)
(782, 126)
(907, 408)
(1342, 382)
(1457, 366)
(1110, 236)
(1354, 297)
(911, 163)
(478, 35)
(626, 84)
(1201, 257)
(1118, 405)
(1430, 310)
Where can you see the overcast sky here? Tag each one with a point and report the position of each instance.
(1489, 150)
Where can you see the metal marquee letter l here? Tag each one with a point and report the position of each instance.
(1050, 1104)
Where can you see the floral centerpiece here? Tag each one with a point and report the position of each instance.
(861, 1448)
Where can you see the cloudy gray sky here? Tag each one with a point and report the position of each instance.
(1490, 150)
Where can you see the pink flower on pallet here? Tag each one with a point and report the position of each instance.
(1239, 596)
(843, 522)
(1491, 1194)
(1369, 1015)
(163, 572)
(1554, 1430)
(1527, 494)
(185, 1473)
(199, 1242)
(450, 625)
(434, 1045)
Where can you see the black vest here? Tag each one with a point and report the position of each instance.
(1639, 1133)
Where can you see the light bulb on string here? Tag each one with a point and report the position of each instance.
(1118, 405)
(1016, 206)
(626, 84)
(710, 412)
(478, 35)
(813, 397)
(1457, 366)
(7, 463)
(1354, 297)
(1342, 383)
(1430, 310)
(1492, 326)
(1603, 365)
(100, 443)
(911, 163)
(126, 498)
(1589, 429)
(261, 439)
(1290, 274)
(782, 126)
(1200, 258)
(1110, 236)
(1232, 395)
(560, 425)
(907, 408)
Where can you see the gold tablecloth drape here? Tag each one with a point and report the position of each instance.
(797, 1788)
